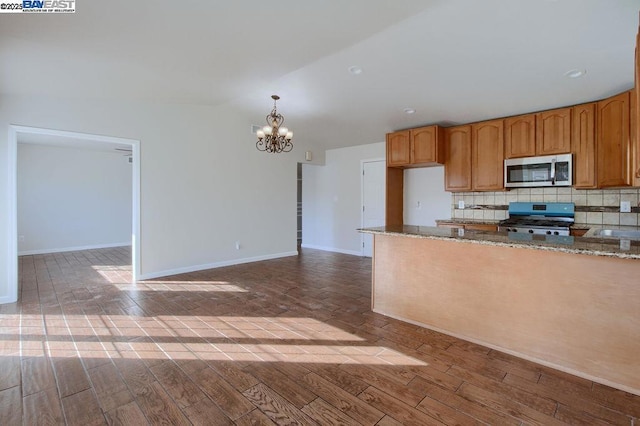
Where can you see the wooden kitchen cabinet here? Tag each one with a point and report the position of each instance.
(635, 137)
(475, 157)
(487, 152)
(457, 166)
(426, 145)
(520, 136)
(613, 144)
(398, 149)
(553, 132)
(418, 147)
(583, 145)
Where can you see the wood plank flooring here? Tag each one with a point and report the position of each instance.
(287, 341)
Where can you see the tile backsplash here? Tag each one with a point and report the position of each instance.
(593, 207)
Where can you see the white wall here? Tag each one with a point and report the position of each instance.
(425, 199)
(331, 199)
(204, 185)
(71, 198)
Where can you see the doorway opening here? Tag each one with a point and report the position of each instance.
(78, 140)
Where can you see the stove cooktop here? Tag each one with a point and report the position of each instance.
(541, 222)
(539, 218)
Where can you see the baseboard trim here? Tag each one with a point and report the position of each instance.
(78, 248)
(332, 249)
(7, 299)
(194, 268)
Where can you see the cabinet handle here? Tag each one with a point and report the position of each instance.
(638, 173)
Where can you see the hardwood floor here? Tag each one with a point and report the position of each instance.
(287, 341)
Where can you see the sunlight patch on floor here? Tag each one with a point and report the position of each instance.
(187, 286)
(210, 338)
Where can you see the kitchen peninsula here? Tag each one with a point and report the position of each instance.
(570, 304)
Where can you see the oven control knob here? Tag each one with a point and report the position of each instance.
(531, 231)
(548, 232)
(556, 233)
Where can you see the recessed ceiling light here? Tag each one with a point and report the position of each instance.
(575, 73)
(409, 111)
(355, 70)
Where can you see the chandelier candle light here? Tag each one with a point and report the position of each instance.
(274, 137)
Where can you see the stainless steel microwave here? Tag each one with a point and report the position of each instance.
(549, 170)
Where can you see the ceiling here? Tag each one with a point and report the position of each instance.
(453, 61)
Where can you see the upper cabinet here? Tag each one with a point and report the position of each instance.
(427, 144)
(487, 153)
(457, 166)
(398, 149)
(544, 133)
(474, 157)
(520, 136)
(416, 147)
(553, 132)
(613, 144)
(583, 145)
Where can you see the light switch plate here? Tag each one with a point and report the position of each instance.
(461, 205)
(625, 206)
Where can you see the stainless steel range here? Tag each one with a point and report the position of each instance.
(539, 218)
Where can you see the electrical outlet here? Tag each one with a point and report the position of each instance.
(625, 206)
(461, 205)
(625, 245)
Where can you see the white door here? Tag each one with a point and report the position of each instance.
(373, 195)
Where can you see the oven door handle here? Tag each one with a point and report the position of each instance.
(553, 171)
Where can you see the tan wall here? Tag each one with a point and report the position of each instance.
(578, 313)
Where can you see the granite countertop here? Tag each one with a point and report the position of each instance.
(581, 245)
(469, 221)
(496, 222)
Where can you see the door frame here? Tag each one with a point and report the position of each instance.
(14, 130)
(362, 163)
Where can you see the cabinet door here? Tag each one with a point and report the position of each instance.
(583, 145)
(612, 141)
(487, 151)
(457, 165)
(426, 145)
(398, 148)
(553, 132)
(520, 136)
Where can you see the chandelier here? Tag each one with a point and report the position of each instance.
(274, 137)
